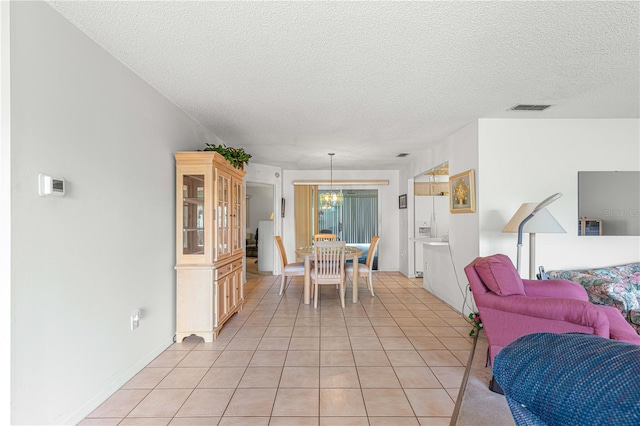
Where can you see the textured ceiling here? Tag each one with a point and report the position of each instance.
(292, 81)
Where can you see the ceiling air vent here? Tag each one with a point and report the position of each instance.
(529, 107)
(402, 154)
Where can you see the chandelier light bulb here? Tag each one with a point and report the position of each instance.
(331, 199)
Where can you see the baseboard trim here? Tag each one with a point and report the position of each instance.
(116, 384)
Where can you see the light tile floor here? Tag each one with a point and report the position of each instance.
(394, 359)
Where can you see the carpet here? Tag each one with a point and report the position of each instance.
(476, 404)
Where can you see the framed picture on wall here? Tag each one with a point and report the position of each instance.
(402, 201)
(462, 193)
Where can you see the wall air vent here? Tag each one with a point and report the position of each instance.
(402, 154)
(529, 107)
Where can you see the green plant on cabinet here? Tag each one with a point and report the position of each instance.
(237, 157)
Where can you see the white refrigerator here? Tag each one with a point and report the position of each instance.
(265, 245)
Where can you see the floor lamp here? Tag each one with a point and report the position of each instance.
(533, 218)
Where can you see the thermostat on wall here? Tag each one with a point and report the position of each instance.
(48, 185)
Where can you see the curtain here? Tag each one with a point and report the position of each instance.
(304, 214)
(356, 220)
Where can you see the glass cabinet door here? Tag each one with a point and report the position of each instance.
(193, 222)
(237, 221)
(223, 212)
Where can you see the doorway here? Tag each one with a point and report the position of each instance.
(259, 217)
(431, 210)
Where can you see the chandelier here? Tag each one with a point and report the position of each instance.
(330, 199)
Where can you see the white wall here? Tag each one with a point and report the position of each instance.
(388, 216)
(463, 227)
(406, 252)
(5, 213)
(461, 151)
(421, 162)
(528, 160)
(82, 263)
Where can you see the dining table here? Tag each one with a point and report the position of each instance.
(350, 252)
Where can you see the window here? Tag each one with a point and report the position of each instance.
(356, 220)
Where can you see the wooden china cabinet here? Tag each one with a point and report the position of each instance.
(209, 209)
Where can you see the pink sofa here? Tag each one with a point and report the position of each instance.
(511, 307)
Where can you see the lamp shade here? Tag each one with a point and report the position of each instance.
(542, 222)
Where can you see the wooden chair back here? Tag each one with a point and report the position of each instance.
(329, 262)
(372, 250)
(283, 254)
(325, 237)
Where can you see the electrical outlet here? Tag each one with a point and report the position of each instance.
(135, 319)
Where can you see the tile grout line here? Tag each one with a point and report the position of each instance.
(199, 381)
(396, 290)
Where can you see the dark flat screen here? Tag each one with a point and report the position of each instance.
(613, 198)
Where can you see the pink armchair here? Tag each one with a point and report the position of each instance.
(511, 307)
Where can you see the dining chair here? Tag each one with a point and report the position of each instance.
(365, 270)
(288, 269)
(325, 237)
(328, 267)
